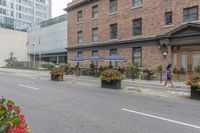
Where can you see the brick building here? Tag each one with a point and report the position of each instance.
(147, 32)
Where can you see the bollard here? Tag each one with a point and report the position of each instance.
(74, 76)
(139, 82)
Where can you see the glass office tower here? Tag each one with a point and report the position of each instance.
(19, 14)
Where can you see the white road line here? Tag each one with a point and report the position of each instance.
(29, 81)
(161, 118)
(25, 86)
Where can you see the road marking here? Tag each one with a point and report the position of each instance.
(25, 86)
(161, 118)
(29, 81)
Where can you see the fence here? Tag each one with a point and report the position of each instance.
(145, 75)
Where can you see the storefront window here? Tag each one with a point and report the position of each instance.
(113, 52)
(184, 62)
(195, 60)
(174, 60)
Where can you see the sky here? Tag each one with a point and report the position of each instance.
(58, 6)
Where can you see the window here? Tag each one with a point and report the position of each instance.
(79, 16)
(80, 37)
(80, 54)
(95, 34)
(137, 3)
(113, 6)
(190, 14)
(113, 31)
(112, 52)
(95, 11)
(95, 53)
(168, 18)
(137, 56)
(137, 27)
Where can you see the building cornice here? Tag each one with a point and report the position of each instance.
(117, 43)
(73, 6)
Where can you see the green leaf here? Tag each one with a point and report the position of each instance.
(15, 120)
(3, 128)
(2, 112)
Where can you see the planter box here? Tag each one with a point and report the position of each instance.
(195, 94)
(111, 84)
(56, 78)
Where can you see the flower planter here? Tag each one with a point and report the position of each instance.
(195, 93)
(112, 84)
(56, 78)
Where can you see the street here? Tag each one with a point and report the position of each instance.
(64, 107)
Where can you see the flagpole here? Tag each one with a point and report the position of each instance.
(40, 58)
(29, 60)
(33, 52)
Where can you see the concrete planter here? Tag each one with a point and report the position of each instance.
(111, 85)
(56, 78)
(195, 93)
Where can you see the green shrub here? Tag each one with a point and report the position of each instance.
(48, 65)
(134, 68)
(64, 66)
(160, 68)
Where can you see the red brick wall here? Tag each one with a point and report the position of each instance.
(152, 57)
(152, 12)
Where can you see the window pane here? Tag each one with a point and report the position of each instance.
(137, 27)
(113, 6)
(79, 16)
(94, 53)
(80, 37)
(113, 31)
(190, 14)
(95, 11)
(168, 18)
(137, 3)
(195, 60)
(94, 34)
(174, 60)
(137, 61)
(184, 62)
(112, 52)
(137, 56)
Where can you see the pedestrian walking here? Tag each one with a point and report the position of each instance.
(168, 75)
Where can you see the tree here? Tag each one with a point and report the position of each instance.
(11, 60)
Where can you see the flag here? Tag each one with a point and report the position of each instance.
(33, 42)
(39, 40)
(27, 43)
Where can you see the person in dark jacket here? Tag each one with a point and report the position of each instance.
(168, 75)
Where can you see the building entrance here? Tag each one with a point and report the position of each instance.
(185, 59)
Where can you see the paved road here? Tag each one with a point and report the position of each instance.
(62, 107)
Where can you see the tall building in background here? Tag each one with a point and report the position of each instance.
(47, 41)
(19, 14)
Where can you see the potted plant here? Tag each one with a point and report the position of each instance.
(122, 70)
(160, 69)
(11, 119)
(57, 74)
(65, 67)
(195, 84)
(134, 69)
(111, 78)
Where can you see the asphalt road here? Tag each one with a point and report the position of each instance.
(62, 107)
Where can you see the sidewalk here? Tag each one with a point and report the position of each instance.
(148, 87)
